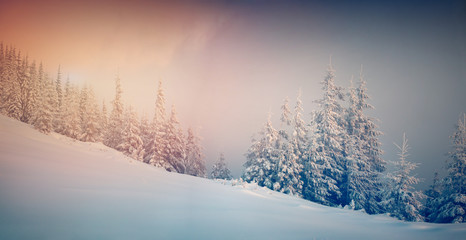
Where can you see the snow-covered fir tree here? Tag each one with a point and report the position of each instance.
(286, 113)
(290, 152)
(174, 151)
(194, 161)
(14, 104)
(10, 101)
(44, 113)
(317, 185)
(287, 172)
(220, 169)
(58, 121)
(262, 157)
(329, 134)
(452, 202)
(357, 184)
(299, 138)
(369, 132)
(82, 110)
(18, 85)
(58, 86)
(362, 178)
(70, 118)
(103, 120)
(27, 81)
(36, 91)
(131, 144)
(115, 124)
(146, 134)
(89, 117)
(63, 109)
(156, 151)
(400, 198)
(433, 196)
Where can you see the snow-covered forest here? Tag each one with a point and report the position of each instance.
(334, 159)
(53, 104)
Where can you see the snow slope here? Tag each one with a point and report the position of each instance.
(52, 187)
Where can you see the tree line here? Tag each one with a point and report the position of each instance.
(29, 94)
(335, 159)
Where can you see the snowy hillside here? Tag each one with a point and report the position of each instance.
(52, 187)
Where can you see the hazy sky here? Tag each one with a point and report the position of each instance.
(225, 64)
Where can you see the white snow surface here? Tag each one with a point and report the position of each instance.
(53, 187)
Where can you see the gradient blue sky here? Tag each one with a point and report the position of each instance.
(225, 64)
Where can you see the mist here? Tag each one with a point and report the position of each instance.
(226, 65)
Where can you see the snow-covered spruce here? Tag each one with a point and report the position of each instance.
(327, 161)
(400, 198)
(262, 157)
(131, 144)
(362, 179)
(115, 122)
(451, 204)
(194, 160)
(220, 169)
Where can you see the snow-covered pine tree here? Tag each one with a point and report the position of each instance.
(103, 120)
(290, 152)
(70, 110)
(433, 196)
(329, 134)
(58, 121)
(362, 184)
(452, 206)
(317, 186)
(300, 131)
(194, 161)
(63, 110)
(262, 157)
(220, 169)
(131, 144)
(54, 103)
(40, 88)
(67, 87)
(174, 151)
(26, 82)
(156, 151)
(146, 134)
(160, 154)
(58, 86)
(288, 169)
(369, 133)
(89, 117)
(115, 123)
(45, 109)
(286, 113)
(35, 93)
(83, 99)
(400, 200)
(10, 100)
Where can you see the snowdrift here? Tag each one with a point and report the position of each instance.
(52, 187)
